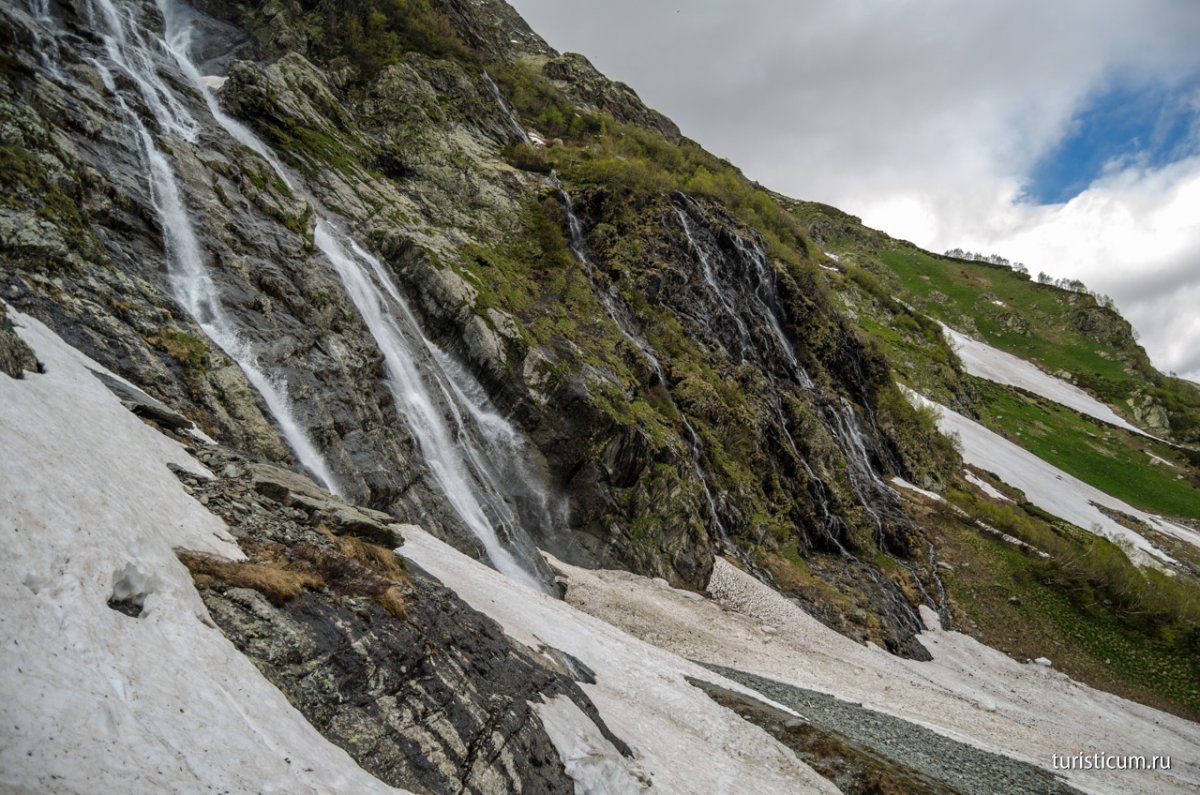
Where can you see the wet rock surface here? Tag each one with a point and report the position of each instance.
(421, 690)
(16, 358)
(742, 455)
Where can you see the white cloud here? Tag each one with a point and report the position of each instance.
(923, 117)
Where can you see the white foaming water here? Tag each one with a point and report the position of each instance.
(711, 280)
(508, 111)
(765, 279)
(132, 50)
(446, 452)
(477, 458)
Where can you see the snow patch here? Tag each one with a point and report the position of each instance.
(682, 740)
(969, 692)
(904, 484)
(985, 487)
(1158, 460)
(984, 361)
(94, 700)
(1053, 490)
(597, 767)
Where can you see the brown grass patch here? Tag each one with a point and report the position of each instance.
(379, 559)
(348, 566)
(274, 580)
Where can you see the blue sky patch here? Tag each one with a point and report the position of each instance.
(1126, 124)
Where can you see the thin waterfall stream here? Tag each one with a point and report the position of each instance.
(466, 444)
(579, 250)
(443, 405)
(133, 51)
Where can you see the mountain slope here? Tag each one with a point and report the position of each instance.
(460, 280)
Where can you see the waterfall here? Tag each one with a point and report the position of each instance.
(508, 111)
(710, 279)
(579, 250)
(842, 422)
(457, 464)
(618, 314)
(478, 460)
(131, 50)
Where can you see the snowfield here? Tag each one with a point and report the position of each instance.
(683, 741)
(1055, 491)
(984, 361)
(968, 692)
(1051, 489)
(92, 700)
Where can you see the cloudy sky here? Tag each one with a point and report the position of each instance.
(1061, 133)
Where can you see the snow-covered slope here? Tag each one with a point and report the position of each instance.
(969, 692)
(91, 699)
(683, 741)
(1054, 490)
(984, 361)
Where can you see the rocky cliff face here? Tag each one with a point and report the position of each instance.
(650, 325)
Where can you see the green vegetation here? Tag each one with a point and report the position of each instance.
(314, 150)
(370, 34)
(1058, 329)
(1098, 617)
(189, 351)
(1029, 324)
(1097, 572)
(534, 97)
(29, 182)
(1113, 460)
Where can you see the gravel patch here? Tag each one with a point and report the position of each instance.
(962, 767)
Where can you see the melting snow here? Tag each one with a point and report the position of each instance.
(683, 740)
(589, 758)
(984, 361)
(1158, 460)
(968, 692)
(95, 700)
(1054, 490)
(985, 487)
(904, 484)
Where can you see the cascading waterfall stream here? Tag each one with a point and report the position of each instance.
(579, 250)
(477, 458)
(392, 325)
(518, 128)
(132, 50)
(841, 420)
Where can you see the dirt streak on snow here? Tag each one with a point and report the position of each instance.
(92, 700)
(684, 741)
(984, 361)
(1053, 490)
(1038, 711)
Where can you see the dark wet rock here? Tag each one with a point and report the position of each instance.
(721, 448)
(142, 404)
(422, 691)
(16, 357)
